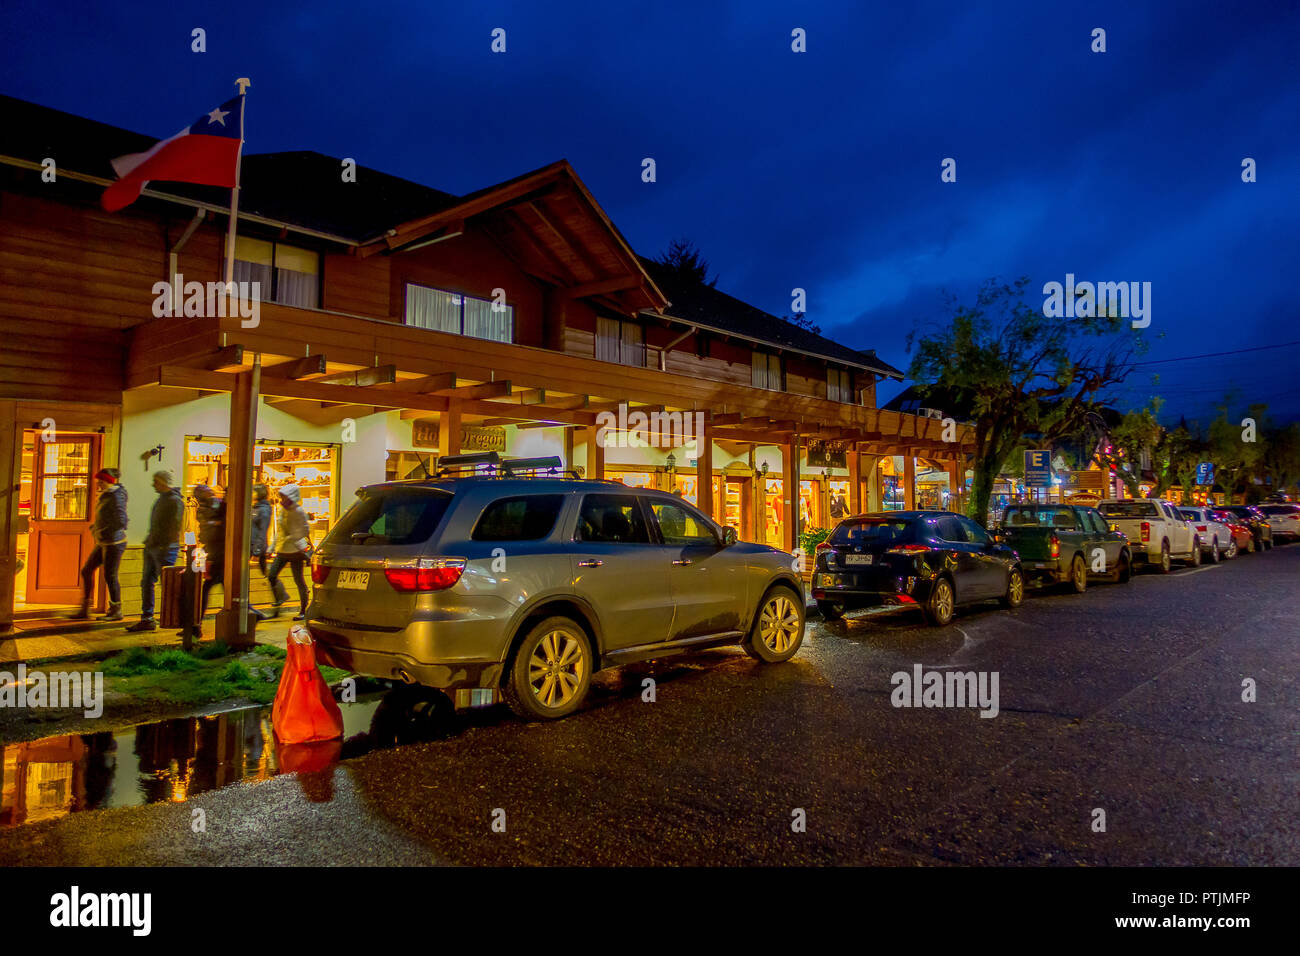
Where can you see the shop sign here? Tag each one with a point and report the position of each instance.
(1086, 480)
(424, 434)
(825, 455)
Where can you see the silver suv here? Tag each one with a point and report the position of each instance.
(531, 584)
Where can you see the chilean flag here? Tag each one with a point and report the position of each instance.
(206, 153)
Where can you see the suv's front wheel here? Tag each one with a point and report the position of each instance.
(551, 670)
(777, 630)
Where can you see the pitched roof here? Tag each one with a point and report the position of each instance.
(710, 308)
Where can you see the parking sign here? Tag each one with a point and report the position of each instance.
(1038, 467)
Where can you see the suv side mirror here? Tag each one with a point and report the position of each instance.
(728, 536)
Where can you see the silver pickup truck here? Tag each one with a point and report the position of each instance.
(1158, 535)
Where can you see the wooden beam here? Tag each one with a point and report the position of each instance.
(525, 425)
(425, 384)
(704, 470)
(532, 396)
(573, 401)
(362, 377)
(601, 287)
(595, 455)
(298, 368)
(498, 422)
(234, 625)
(449, 430)
(500, 389)
(230, 356)
(728, 418)
(171, 376)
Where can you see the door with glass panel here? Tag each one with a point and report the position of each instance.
(61, 511)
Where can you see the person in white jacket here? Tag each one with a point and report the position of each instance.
(292, 547)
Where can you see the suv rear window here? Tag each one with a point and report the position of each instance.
(1047, 517)
(1279, 509)
(391, 516)
(1129, 509)
(522, 518)
(868, 531)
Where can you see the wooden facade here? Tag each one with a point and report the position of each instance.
(79, 333)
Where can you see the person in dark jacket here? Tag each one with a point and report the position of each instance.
(109, 532)
(160, 545)
(261, 524)
(211, 514)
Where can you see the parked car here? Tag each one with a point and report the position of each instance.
(531, 584)
(1065, 543)
(1216, 537)
(1257, 522)
(934, 560)
(1243, 538)
(1284, 520)
(1158, 535)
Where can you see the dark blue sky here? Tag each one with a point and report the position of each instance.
(818, 170)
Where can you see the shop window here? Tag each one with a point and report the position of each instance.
(619, 341)
(523, 518)
(635, 479)
(774, 512)
(839, 386)
(311, 467)
(767, 371)
(839, 499)
(459, 314)
(286, 274)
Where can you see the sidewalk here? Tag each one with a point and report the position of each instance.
(99, 641)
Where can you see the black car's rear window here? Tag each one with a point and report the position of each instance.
(866, 531)
(391, 516)
(1279, 509)
(521, 518)
(1129, 509)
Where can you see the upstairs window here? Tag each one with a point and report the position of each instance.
(768, 371)
(458, 314)
(289, 275)
(619, 341)
(839, 386)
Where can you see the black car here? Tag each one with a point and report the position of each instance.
(934, 560)
(1258, 522)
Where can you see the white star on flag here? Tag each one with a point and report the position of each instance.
(218, 116)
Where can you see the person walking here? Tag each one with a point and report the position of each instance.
(211, 515)
(160, 545)
(292, 547)
(261, 525)
(109, 534)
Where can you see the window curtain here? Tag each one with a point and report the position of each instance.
(296, 288)
(482, 323)
(608, 337)
(433, 309)
(633, 344)
(767, 371)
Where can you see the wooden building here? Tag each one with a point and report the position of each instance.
(396, 322)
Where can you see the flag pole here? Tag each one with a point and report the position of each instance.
(243, 84)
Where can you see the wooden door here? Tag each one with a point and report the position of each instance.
(62, 499)
(738, 511)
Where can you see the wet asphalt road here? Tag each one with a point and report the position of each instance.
(1125, 699)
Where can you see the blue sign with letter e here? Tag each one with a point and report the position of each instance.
(1038, 467)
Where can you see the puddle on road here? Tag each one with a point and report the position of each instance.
(169, 761)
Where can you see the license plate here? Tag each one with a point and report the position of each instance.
(851, 559)
(354, 580)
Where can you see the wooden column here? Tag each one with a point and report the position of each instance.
(954, 486)
(449, 429)
(568, 449)
(909, 479)
(790, 493)
(855, 480)
(595, 454)
(235, 621)
(704, 466)
(11, 458)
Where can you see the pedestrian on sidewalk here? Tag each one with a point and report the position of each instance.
(109, 535)
(160, 545)
(292, 547)
(261, 525)
(211, 515)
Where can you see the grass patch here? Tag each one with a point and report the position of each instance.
(210, 674)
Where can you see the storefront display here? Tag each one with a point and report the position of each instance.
(810, 505)
(634, 479)
(838, 493)
(773, 512)
(312, 467)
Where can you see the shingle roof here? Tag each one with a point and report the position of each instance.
(708, 307)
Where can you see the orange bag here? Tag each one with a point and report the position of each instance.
(304, 709)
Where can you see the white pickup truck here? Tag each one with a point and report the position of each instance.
(1157, 533)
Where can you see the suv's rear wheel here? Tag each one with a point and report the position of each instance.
(1166, 561)
(1214, 551)
(1015, 595)
(777, 630)
(1195, 560)
(551, 670)
(1124, 569)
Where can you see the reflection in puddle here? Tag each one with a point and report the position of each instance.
(168, 761)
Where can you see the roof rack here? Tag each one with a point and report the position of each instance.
(489, 464)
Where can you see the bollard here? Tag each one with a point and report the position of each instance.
(191, 586)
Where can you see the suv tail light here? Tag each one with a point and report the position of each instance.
(1146, 531)
(1200, 527)
(907, 549)
(319, 572)
(424, 574)
(1055, 544)
(822, 546)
